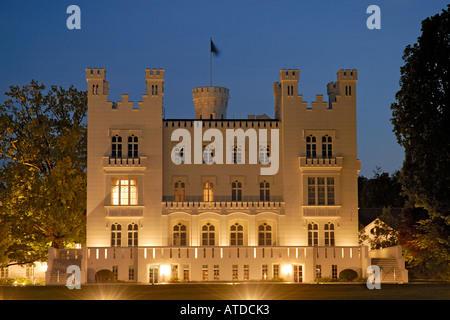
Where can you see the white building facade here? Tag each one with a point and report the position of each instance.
(187, 200)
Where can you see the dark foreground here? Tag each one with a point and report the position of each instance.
(247, 291)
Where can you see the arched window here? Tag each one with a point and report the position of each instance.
(179, 235)
(132, 147)
(236, 191)
(178, 154)
(208, 235)
(329, 234)
(313, 234)
(265, 235)
(116, 235)
(132, 235)
(116, 146)
(311, 147)
(237, 154)
(236, 235)
(264, 154)
(208, 191)
(208, 154)
(264, 191)
(179, 191)
(327, 146)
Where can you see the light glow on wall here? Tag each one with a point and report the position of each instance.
(286, 269)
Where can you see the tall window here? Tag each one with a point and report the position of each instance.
(132, 235)
(116, 235)
(208, 191)
(179, 191)
(178, 155)
(311, 151)
(265, 235)
(132, 147)
(329, 234)
(264, 191)
(264, 154)
(208, 154)
(237, 154)
(236, 235)
(208, 235)
(124, 191)
(321, 191)
(313, 234)
(116, 146)
(327, 147)
(179, 235)
(236, 191)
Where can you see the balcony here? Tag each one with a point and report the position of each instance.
(116, 164)
(321, 163)
(321, 211)
(124, 211)
(224, 204)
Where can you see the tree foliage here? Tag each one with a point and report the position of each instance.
(43, 169)
(421, 120)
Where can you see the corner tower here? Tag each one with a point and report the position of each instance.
(211, 102)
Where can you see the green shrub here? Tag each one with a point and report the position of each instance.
(347, 275)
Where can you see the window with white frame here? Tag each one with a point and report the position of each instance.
(132, 235)
(264, 191)
(265, 234)
(236, 191)
(208, 191)
(179, 235)
(321, 191)
(124, 191)
(311, 147)
(133, 147)
(329, 234)
(236, 235)
(116, 235)
(264, 154)
(327, 147)
(179, 191)
(116, 146)
(208, 154)
(208, 235)
(313, 234)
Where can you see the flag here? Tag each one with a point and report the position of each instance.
(213, 48)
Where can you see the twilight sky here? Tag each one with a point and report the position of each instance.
(255, 38)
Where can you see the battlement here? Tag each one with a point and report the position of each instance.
(218, 92)
(347, 74)
(289, 74)
(154, 73)
(95, 74)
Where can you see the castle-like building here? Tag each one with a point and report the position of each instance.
(191, 200)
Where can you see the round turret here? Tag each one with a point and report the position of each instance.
(211, 102)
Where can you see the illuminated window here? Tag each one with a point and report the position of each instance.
(116, 146)
(264, 191)
(264, 271)
(234, 272)
(216, 272)
(329, 234)
(124, 192)
(318, 271)
(313, 234)
(131, 273)
(265, 235)
(246, 272)
(132, 147)
(334, 273)
(205, 272)
(116, 235)
(179, 191)
(330, 191)
(208, 191)
(236, 235)
(311, 191)
(236, 191)
(132, 235)
(327, 147)
(179, 235)
(311, 151)
(276, 271)
(208, 235)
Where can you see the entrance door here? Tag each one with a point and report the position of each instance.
(298, 273)
(153, 274)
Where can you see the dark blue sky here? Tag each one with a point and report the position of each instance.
(256, 40)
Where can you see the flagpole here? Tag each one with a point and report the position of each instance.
(210, 63)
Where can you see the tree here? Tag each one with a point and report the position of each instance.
(43, 169)
(421, 118)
